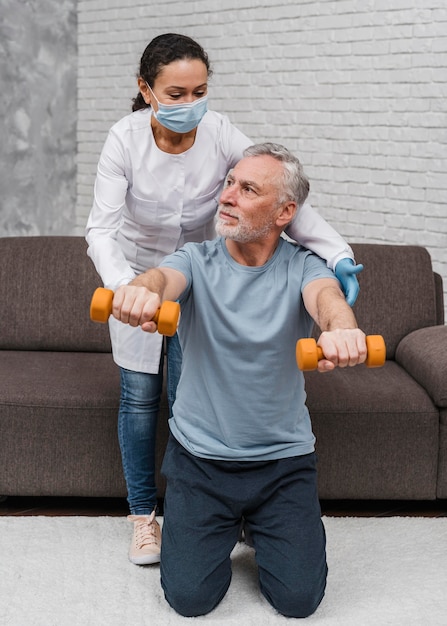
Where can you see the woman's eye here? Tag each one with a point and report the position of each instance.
(177, 96)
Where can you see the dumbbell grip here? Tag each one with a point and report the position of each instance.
(101, 309)
(308, 353)
(320, 355)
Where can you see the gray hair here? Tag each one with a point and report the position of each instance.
(294, 184)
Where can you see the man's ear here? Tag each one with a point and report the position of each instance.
(286, 214)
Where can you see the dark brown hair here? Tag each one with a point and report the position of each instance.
(163, 50)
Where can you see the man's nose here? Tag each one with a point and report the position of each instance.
(227, 196)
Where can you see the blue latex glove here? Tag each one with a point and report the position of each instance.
(346, 271)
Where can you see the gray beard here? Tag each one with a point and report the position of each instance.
(242, 233)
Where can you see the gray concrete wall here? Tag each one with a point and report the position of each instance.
(38, 71)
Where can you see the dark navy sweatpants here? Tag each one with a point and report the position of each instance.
(205, 502)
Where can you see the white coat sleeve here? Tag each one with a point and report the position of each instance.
(313, 232)
(105, 217)
(232, 142)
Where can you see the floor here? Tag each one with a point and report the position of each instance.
(53, 506)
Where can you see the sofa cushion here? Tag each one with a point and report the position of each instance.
(58, 416)
(397, 291)
(46, 284)
(377, 433)
(58, 425)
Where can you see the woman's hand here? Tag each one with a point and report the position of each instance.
(346, 272)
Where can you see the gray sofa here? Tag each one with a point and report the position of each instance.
(381, 433)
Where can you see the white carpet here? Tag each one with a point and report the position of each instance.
(69, 571)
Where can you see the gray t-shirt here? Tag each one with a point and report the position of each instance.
(241, 396)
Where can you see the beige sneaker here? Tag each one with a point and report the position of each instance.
(146, 540)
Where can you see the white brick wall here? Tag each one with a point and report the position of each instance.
(356, 88)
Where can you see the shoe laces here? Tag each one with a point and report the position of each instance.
(145, 529)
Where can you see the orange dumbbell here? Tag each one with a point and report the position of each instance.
(166, 317)
(308, 353)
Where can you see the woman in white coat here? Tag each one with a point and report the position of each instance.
(158, 182)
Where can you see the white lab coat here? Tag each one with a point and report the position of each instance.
(148, 203)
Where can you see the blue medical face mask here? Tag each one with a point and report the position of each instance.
(183, 117)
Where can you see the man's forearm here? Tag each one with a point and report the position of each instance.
(342, 342)
(154, 280)
(332, 311)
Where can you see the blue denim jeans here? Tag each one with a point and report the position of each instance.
(137, 427)
(206, 501)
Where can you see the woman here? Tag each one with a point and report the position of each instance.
(158, 182)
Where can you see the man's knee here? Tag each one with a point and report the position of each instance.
(193, 600)
(299, 601)
(188, 605)
(298, 605)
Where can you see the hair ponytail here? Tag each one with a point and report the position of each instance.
(139, 103)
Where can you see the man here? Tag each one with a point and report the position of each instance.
(241, 445)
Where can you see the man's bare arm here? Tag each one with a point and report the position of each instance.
(137, 302)
(342, 342)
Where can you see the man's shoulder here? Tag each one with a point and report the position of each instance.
(195, 250)
(303, 260)
(204, 248)
(292, 249)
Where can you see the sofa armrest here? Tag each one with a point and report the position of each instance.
(423, 354)
(439, 292)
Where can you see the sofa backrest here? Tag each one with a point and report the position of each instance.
(397, 291)
(46, 284)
